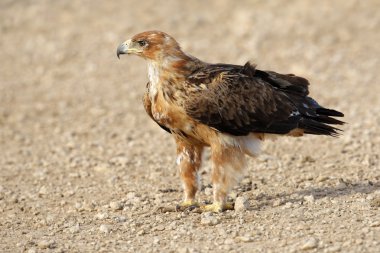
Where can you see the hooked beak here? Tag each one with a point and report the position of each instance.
(123, 48)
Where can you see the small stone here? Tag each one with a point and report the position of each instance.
(156, 240)
(288, 205)
(375, 202)
(74, 229)
(119, 160)
(375, 224)
(229, 241)
(187, 250)
(44, 244)
(116, 205)
(32, 250)
(276, 202)
(309, 198)
(322, 179)
(183, 250)
(78, 205)
(101, 216)
(131, 195)
(104, 228)
(310, 243)
(159, 228)
(43, 191)
(121, 219)
(209, 219)
(241, 204)
(244, 238)
(101, 168)
(335, 248)
(88, 206)
(359, 241)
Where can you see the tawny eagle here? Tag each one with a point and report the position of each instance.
(229, 108)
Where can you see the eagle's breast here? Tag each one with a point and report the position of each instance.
(154, 79)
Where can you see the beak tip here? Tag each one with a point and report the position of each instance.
(122, 49)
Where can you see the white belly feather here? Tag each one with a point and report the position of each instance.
(249, 144)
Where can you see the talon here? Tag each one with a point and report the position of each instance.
(217, 207)
(187, 205)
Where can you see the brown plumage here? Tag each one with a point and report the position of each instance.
(229, 108)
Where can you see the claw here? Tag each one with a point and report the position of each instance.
(187, 205)
(217, 207)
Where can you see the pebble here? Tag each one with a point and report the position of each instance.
(159, 228)
(309, 198)
(322, 179)
(310, 243)
(104, 228)
(32, 250)
(116, 205)
(229, 241)
(208, 219)
(277, 202)
(375, 202)
(183, 250)
(121, 219)
(156, 240)
(187, 250)
(375, 224)
(288, 205)
(101, 216)
(244, 238)
(335, 248)
(78, 205)
(43, 191)
(101, 168)
(44, 244)
(74, 229)
(241, 204)
(119, 160)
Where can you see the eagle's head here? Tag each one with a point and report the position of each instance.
(152, 45)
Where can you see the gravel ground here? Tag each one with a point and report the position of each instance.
(83, 169)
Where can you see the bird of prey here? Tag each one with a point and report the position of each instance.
(229, 108)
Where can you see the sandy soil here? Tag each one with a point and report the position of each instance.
(83, 169)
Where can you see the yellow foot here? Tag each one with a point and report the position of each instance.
(187, 205)
(217, 207)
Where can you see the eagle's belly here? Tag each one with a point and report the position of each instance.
(172, 116)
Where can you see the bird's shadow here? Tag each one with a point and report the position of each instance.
(344, 189)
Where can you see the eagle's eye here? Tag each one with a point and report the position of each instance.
(142, 43)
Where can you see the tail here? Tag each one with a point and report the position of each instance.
(319, 123)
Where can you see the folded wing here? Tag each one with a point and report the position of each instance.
(241, 99)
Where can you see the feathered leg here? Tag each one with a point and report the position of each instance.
(189, 160)
(228, 165)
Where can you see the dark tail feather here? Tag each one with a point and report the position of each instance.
(312, 126)
(328, 120)
(328, 112)
(318, 120)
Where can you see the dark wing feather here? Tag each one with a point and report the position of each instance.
(241, 99)
(148, 108)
